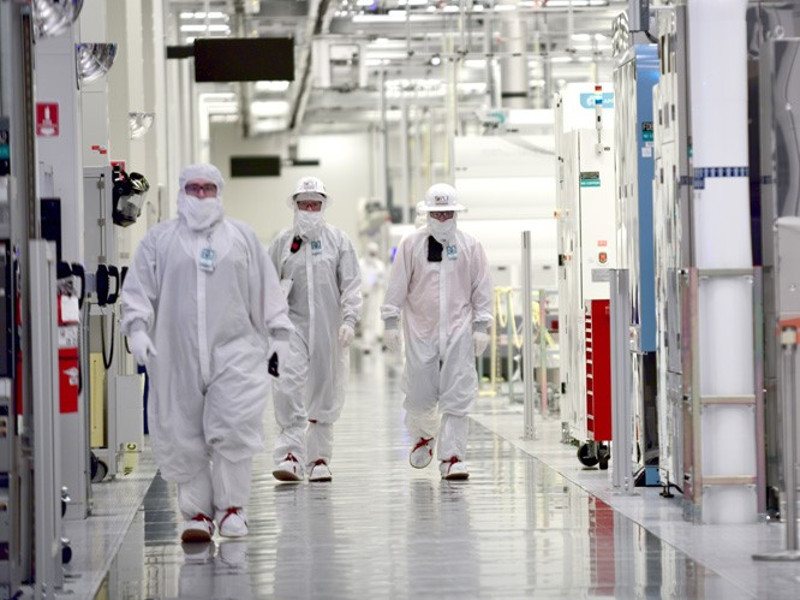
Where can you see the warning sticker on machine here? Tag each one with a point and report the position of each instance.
(590, 179)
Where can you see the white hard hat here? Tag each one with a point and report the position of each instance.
(441, 197)
(309, 188)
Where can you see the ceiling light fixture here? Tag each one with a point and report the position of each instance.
(94, 60)
(139, 123)
(435, 60)
(53, 17)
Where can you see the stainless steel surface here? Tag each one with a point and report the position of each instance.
(527, 337)
(381, 529)
(46, 434)
(621, 379)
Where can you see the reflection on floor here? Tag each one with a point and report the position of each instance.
(382, 529)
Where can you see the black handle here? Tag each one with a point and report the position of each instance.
(102, 285)
(123, 275)
(113, 271)
(272, 365)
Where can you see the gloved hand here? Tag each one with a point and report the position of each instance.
(141, 346)
(480, 341)
(346, 335)
(277, 355)
(391, 339)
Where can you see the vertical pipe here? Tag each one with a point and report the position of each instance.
(405, 161)
(510, 331)
(451, 107)
(542, 352)
(527, 331)
(789, 383)
(387, 181)
(514, 64)
(621, 401)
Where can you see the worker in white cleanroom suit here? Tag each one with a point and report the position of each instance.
(440, 283)
(373, 272)
(201, 306)
(319, 273)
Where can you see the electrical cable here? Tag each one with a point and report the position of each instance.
(107, 362)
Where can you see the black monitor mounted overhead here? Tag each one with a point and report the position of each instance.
(243, 59)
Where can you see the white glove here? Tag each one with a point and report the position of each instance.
(391, 339)
(141, 346)
(346, 335)
(480, 341)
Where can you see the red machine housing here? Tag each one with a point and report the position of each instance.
(598, 371)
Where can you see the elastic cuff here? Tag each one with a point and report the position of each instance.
(391, 323)
(351, 322)
(137, 325)
(281, 335)
(480, 327)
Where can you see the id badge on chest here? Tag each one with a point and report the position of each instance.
(316, 247)
(208, 260)
(452, 252)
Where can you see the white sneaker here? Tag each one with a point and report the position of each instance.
(454, 469)
(422, 453)
(320, 471)
(289, 470)
(197, 530)
(232, 522)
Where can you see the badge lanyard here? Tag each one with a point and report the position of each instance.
(208, 257)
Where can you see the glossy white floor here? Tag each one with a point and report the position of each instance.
(518, 528)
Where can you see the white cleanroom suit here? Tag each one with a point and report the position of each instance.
(446, 308)
(373, 273)
(203, 289)
(318, 266)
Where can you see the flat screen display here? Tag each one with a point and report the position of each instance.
(256, 166)
(244, 59)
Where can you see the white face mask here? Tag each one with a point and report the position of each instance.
(307, 223)
(442, 230)
(200, 214)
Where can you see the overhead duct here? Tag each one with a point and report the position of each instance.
(514, 63)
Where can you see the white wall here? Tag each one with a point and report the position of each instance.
(261, 201)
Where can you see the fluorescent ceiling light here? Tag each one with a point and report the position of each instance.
(581, 37)
(269, 108)
(199, 28)
(504, 7)
(561, 59)
(269, 125)
(187, 16)
(412, 2)
(585, 59)
(272, 86)
(139, 123)
(365, 2)
(475, 63)
(450, 8)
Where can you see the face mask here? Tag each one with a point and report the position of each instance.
(442, 230)
(199, 214)
(307, 223)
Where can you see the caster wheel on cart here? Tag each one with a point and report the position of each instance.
(587, 455)
(99, 469)
(603, 456)
(66, 552)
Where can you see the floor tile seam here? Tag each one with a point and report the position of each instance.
(713, 568)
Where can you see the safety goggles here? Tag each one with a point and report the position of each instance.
(196, 188)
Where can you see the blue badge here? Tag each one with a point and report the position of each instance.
(316, 247)
(208, 260)
(452, 252)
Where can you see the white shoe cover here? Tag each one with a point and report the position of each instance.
(454, 469)
(197, 530)
(320, 472)
(232, 523)
(289, 469)
(422, 453)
